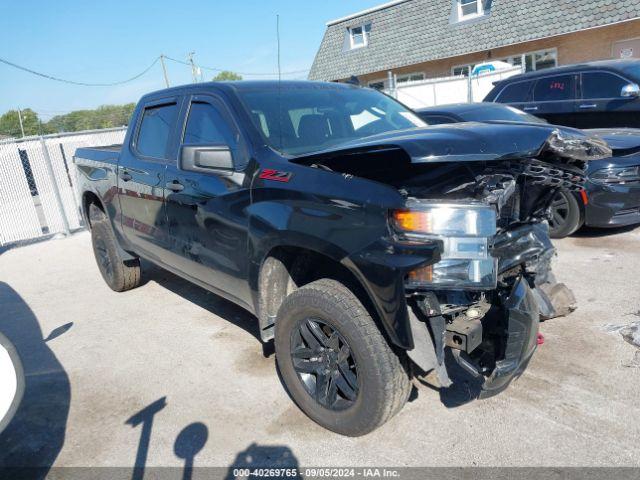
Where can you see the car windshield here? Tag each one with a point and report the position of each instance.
(498, 113)
(633, 71)
(306, 118)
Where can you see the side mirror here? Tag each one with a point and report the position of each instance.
(207, 158)
(631, 91)
(12, 381)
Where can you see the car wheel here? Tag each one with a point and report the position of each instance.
(119, 274)
(565, 215)
(335, 362)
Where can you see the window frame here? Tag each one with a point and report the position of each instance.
(366, 31)
(607, 72)
(155, 103)
(408, 76)
(533, 54)
(241, 153)
(464, 17)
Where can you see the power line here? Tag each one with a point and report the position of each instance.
(256, 74)
(73, 82)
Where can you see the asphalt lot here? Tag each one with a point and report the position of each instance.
(169, 371)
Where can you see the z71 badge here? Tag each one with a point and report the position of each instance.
(275, 175)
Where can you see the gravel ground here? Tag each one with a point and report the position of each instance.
(168, 372)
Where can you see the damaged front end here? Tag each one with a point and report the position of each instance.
(480, 195)
(485, 298)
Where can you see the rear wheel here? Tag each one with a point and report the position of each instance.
(335, 362)
(565, 215)
(119, 274)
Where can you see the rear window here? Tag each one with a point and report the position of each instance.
(553, 89)
(602, 85)
(514, 93)
(155, 130)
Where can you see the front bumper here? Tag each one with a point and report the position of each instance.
(522, 324)
(612, 205)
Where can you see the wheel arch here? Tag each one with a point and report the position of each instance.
(286, 268)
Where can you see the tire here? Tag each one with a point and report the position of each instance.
(565, 215)
(381, 385)
(121, 275)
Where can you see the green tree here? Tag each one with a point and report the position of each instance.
(105, 116)
(10, 123)
(227, 76)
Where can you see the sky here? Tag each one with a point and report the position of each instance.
(109, 41)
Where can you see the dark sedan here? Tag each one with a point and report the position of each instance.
(612, 193)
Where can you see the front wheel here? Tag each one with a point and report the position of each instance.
(565, 215)
(335, 362)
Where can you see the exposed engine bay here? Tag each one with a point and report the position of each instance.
(482, 302)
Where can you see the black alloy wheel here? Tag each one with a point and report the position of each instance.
(324, 364)
(565, 215)
(102, 256)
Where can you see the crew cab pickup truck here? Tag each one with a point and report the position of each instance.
(372, 248)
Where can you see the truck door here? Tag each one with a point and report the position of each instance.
(206, 200)
(141, 173)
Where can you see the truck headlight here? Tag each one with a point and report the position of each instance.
(464, 230)
(616, 175)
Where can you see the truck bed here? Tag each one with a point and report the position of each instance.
(105, 154)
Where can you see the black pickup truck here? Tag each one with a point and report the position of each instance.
(373, 248)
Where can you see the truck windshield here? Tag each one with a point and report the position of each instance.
(301, 119)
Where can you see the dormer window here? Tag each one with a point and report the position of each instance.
(359, 36)
(468, 9)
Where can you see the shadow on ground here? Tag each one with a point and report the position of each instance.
(36, 434)
(209, 301)
(590, 232)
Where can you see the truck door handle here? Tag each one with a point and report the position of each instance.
(530, 109)
(175, 186)
(588, 105)
(125, 176)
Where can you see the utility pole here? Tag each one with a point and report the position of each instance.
(194, 69)
(278, 35)
(20, 120)
(164, 70)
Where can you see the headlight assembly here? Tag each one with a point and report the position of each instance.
(464, 230)
(616, 175)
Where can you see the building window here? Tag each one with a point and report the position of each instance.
(469, 9)
(410, 77)
(359, 36)
(533, 61)
(377, 84)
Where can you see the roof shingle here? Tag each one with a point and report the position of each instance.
(416, 31)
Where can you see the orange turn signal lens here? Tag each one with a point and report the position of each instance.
(413, 221)
(421, 275)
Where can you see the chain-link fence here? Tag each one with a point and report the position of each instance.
(37, 183)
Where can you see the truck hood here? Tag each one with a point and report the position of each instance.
(475, 142)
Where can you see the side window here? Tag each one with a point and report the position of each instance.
(602, 85)
(554, 89)
(207, 126)
(515, 93)
(155, 130)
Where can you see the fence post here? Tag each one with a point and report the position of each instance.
(469, 86)
(56, 190)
